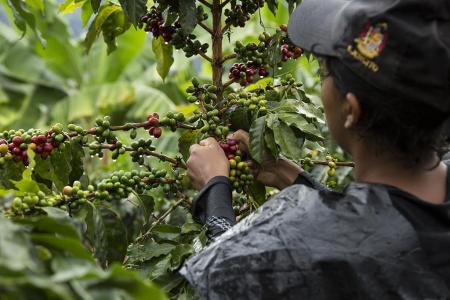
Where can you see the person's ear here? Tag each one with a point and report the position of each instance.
(353, 111)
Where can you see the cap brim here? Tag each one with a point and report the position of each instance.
(313, 24)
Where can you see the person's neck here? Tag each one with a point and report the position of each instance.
(428, 185)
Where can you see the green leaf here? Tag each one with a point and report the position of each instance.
(134, 9)
(166, 232)
(125, 283)
(270, 143)
(23, 17)
(179, 254)
(164, 56)
(60, 226)
(187, 139)
(290, 145)
(273, 5)
(63, 244)
(95, 4)
(258, 192)
(99, 22)
(110, 236)
(27, 183)
(139, 253)
(86, 12)
(14, 247)
(295, 106)
(239, 118)
(188, 15)
(9, 172)
(257, 145)
(298, 121)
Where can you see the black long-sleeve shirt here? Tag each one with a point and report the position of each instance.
(213, 205)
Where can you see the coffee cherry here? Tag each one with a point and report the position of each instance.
(17, 140)
(157, 132)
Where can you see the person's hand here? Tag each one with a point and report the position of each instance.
(271, 172)
(206, 160)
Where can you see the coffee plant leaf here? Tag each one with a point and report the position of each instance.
(298, 121)
(273, 6)
(289, 143)
(187, 139)
(258, 192)
(164, 56)
(14, 248)
(269, 139)
(110, 236)
(188, 15)
(102, 20)
(134, 9)
(256, 136)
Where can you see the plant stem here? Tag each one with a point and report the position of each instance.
(338, 164)
(161, 219)
(225, 3)
(228, 57)
(205, 3)
(203, 25)
(217, 39)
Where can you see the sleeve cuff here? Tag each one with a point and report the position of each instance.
(204, 205)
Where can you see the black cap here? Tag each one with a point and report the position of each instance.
(402, 47)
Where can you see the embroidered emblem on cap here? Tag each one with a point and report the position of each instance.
(372, 41)
(369, 45)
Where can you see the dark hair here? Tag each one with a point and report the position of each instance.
(412, 131)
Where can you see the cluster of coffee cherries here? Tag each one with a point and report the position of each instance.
(171, 119)
(153, 22)
(139, 149)
(331, 172)
(254, 53)
(289, 50)
(205, 93)
(241, 172)
(121, 183)
(289, 80)
(30, 201)
(245, 74)
(15, 144)
(209, 121)
(153, 123)
(103, 132)
(250, 101)
(241, 11)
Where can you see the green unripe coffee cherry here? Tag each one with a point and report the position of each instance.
(72, 127)
(195, 82)
(192, 99)
(179, 117)
(161, 173)
(57, 128)
(241, 165)
(212, 89)
(59, 138)
(17, 203)
(332, 165)
(331, 172)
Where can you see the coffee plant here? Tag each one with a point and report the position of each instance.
(69, 224)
